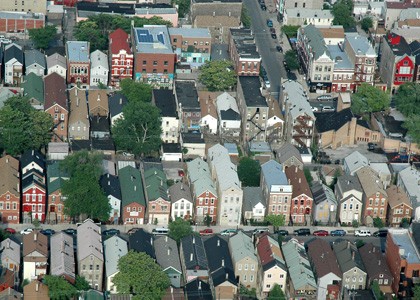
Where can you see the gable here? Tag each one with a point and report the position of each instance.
(35, 254)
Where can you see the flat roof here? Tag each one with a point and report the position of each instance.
(402, 239)
(251, 87)
(153, 39)
(191, 32)
(245, 43)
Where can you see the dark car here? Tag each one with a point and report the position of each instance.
(263, 7)
(48, 232)
(279, 48)
(381, 233)
(320, 233)
(110, 232)
(338, 232)
(70, 231)
(269, 23)
(302, 231)
(272, 30)
(282, 232)
(291, 76)
(10, 230)
(273, 35)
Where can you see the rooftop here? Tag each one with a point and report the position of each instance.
(252, 196)
(89, 240)
(219, 52)
(187, 95)
(321, 192)
(180, 191)
(327, 121)
(142, 241)
(360, 45)
(152, 39)
(334, 31)
(99, 59)
(273, 173)
(348, 256)
(116, 103)
(241, 247)
(200, 176)
(118, 40)
(370, 182)
(191, 32)
(34, 57)
(165, 100)
(296, 100)
(167, 255)
(354, 162)
(131, 186)
(194, 253)
(347, 183)
(341, 60)
(316, 41)
(251, 87)
(114, 248)
(408, 250)
(226, 172)
(192, 138)
(298, 180)
(77, 51)
(245, 43)
(309, 13)
(410, 179)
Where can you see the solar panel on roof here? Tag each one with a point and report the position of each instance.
(144, 36)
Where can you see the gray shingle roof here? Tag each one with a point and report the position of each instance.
(167, 255)
(99, 59)
(241, 246)
(287, 151)
(200, 176)
(344, 252)
(10, 250)
(296, 100)
(273, 173)
(347, 183)
(316, 41)
(321, 192)
(114, 248)
(370, 181)
(190, 32)
(77, 51)
(89, 240)
(252, 196)
(193, 247)
(355, 161)
(62, 260)
(227, 175)
(34, 57)
(180, 191)
(56, 59)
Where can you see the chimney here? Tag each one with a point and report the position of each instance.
(169, 251)
(227, 276)
(161, 182)
(135, 188)
(191, 257)
(120, 101)
(37, 286)
(352, 254)
(35, 236)
(300, 180)
(379, 262)
(223, 262)
(7, 160)
(199, 284)
(99, 97)
(32, 152)
(109, 182)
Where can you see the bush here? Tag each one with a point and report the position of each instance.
(355, 223)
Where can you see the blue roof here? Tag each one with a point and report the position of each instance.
(77, 51)
(273, 173)
(341, 60)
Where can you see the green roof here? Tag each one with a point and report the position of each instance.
(55, 176)
(156, 186)
(131, 186)
(93, 295)
(33, 86)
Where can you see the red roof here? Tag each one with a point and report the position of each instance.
(264, 250)
(298, 181)
(55, 91)
(118, 40)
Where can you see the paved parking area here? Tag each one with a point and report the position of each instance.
(342, 152)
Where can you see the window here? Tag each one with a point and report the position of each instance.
(281, 275)
(155, 62)
(267, 286)
(97, 267)
(268, 275)
(144, 62)
(251, 278)
(252, 267)
(239, 267)
(128, 209)
(244, 278)
(90, 267)
(246, 267)
(165, 63)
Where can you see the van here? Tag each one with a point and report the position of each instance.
(260, 230)
(302, 231)
(160, 231)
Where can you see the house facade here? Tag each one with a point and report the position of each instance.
(57, 63)
(78, 63)
(13, 64)
(120, 56)
(166, 102)
(56, 200)
(35, 255)
(349, 195)
(133, 201)
(35, 62)
(9, 190)
(10, 255)
(98, 68)
(79, 116)
(182, 202)
(158, 204)
(399, 206)
(325, 204)
(243, 52)
(114, 248)
(254, 204)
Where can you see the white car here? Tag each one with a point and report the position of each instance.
(26, 231)
(362, 233)
(314, 108)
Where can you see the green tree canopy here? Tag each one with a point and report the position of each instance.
(412, 125)
(407, 99)
(245, 18)
(84, 196)
(218, 75)
(369, 99)
(140, 276)
(43, 36)
(183, 7)
(290, 30)
(139, 131)
(59, 288)
(366, 23)
(136, 91)
(179, 229)
(90, 32)
(416, 291)
(22, 127)
(308, 176)
(275, 220)
(249, 171)
(343, 13)
(276, 293)
(378, 223)
(81, 284)
(291, 59)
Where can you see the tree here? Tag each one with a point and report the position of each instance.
(407, 99)
(140, 276)
(413, 129)
(218, 75)
(139, 131)
(369, 99)
(290, 30)
(355, 223)
(183, 7)
(377, 291)
(416, 291)
(43, 36)
(342, 11)
(378, 223)
(81, 284)
(249, 171)
(36, 223)
(308, 176)
(405, 223)
(366, 23)
(275, 220)
(59, 288)
(84, 196)
(89, 31)
(291, 59)
(245, 18)
(179, 229)
(22, 127)
(276, 293)
(207, 220)
(136, 91)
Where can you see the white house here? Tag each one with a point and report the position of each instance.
(57, 150)
(165, 100)
(114, 248)
(35, 62)
(181, 199)
(349, 193)
(409, 181)
(254, 204)
(99, 68)
(354, 162)
(209, 122)
(194, 144)
(58, 64)
(306, 16)
(13, 64)
(229, 117)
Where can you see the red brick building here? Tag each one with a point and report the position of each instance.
(20, 21)
(133, 204)
(301, 204)
(55, 180)
(243, 52)
(9, 190)
(121, 57)
(78, 63)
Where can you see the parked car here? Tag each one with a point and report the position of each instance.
(279, 48)
(48, 231)
(372, 146)
(272, 30)
(207, 231)
(338, 232)
(110, 232)
(260, 230)
(362, 233)
(291, 76)
(273, 36)
(26, 231)
(132, 230)
(263, 7)
(228, 232)
(160, 231)
(70, 231)
(324, 97)
(314, 108)
(328, 108)
(302, 231)
(320, 233)
(10, 230)
(269, 23)
(381, 233)
(282, 232)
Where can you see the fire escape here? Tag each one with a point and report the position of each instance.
(301, 130)
(257, 111)
(56, 136)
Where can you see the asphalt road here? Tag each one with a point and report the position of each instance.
(271, 59)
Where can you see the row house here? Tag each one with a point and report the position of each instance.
(205, 198)
(276, 189)
(409, 181)
(243, 52)
(32, 87)
(110, 184)
(13, 64)
(120, 56)
(142, 241)
(299, 118)
(301, 202)
(272, 268)
(349, 195)
(301, 278)
(34, 188)
(229, 190)
(254, 204)
(315, 58)
(90, 257)
(193, 259)
(253, 108)
(55, 181)
(10, 255)
(167, 257)
(79, 116)
(78, 63)
(56, 104)
(188, 104)
(98, 103)
(325, 266)
(191, 45)
(209, 120)
(35, 62)
(325, 204)
(275, 122)
(165, 100)
(354, 162)
(375, 199)
(154, 58)
(156, 189)
(244, 259)
(133, 201)
(62, 260)
(57, 63)
(343, 74)
(99, 68)
(116, 103)
(114, 248)
(399, 206)
(229, 117)
(9, 190)
(182, 201)
(288, 155)
(35, 255)
(397, 61)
